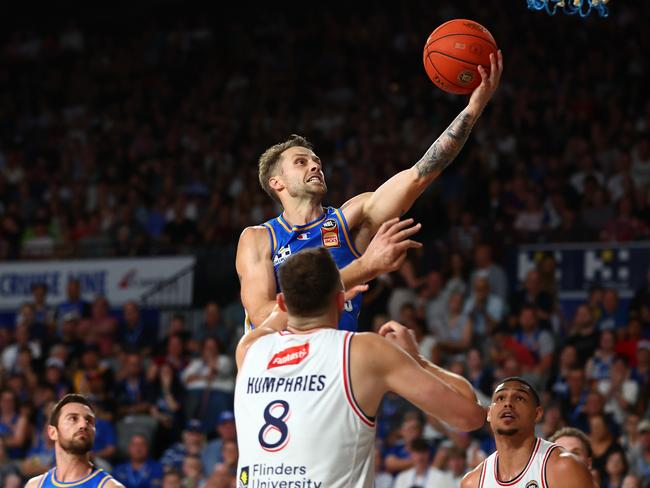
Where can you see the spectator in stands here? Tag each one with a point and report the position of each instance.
(43, 313)
(213, 326)
(613, 316)
(533, 295)
(40, 456)
(567, 361)
(140, 471)
(172, 479)
(134, 394)
(628, 340)
(398, 457)
(583, 334)
(455, 276)
(209, 382)
(54, 376)
(480, 374)
(105, 447)
(453, 329)
(640, 305)
(421, 471)
(193, 442)
(14, 424)
(382, 478)
(102, 326)
(639, 459)
(212, 452)
(174, 356)
(167, 406)
(603, 443)
(600, 364)
(484, 308)
(73, 303)
(128, 236)
(625, 226)
(27, 316)
(22, 340)
(9, 474)
(134, 332)
(538, 342)
(484, 265)
(192, 470)
(616, 469)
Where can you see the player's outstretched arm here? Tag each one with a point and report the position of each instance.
(396, 196)
(564, 470)
(379, 366)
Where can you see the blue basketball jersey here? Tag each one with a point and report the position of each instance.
(96, 479)
(330, 231)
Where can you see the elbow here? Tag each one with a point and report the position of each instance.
(474, 419)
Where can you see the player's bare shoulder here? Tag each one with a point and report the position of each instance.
(566, 470)
(113, 483)
(472, 479)
(35, 481)
(253, 242)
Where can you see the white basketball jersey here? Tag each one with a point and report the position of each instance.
(298, 425)
(532, 476)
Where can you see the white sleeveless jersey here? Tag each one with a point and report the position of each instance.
(298, 425)
(532, 476)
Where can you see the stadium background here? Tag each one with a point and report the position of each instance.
(129, 138)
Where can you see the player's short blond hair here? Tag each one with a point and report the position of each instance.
(268, 162)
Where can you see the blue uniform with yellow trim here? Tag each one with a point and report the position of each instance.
(96, 479)
(330, 231)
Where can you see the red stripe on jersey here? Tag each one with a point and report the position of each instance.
(346, 382)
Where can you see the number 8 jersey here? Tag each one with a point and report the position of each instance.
(297, 419)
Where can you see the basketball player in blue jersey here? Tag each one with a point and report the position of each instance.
(72, 428)
(291, 173)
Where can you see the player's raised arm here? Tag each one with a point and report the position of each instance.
(397, 195)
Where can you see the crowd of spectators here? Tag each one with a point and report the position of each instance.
(146, 143)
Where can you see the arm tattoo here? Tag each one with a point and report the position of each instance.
(443, 151)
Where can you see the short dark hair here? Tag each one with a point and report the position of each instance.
(309, 279)
(576, 433)
(419, 445)
(519, 379)
(268, 161)
(69, 398)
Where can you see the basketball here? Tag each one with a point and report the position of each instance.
(452, 53)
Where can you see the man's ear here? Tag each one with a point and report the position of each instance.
(539, 414)
(279, 298)
(276, 183)
(52, 433)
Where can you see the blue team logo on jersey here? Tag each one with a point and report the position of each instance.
(282, 255)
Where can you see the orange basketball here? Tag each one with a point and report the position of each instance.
(452, 53)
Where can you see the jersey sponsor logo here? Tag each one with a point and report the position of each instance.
(303, 237)
(291, 355)
(532, 484)
(330, 233)
(243, 477)
(282, 255)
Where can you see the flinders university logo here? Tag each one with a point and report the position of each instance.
(243, 477)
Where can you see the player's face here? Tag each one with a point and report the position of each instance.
(302, 173)
(575, 447)
(76, 430)
(513, 410)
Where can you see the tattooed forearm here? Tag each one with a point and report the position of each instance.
(443, 151)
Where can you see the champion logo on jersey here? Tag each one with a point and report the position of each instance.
(291, 355)
(303, 237)
(282, 255)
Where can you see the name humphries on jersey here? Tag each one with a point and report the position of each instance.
(312, 382)
(282, 255)
(261, 476)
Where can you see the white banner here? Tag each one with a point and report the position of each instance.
(119, 280)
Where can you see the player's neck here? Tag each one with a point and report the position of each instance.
(70, 467)
(306, 325)
(514, 454)
(301, 212)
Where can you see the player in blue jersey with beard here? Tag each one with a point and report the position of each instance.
(72, 428)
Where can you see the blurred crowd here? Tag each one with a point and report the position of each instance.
(146, 143)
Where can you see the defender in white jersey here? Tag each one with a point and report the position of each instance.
(306, 397)
(522, 460)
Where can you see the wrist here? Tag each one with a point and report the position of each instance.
(474, 110)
